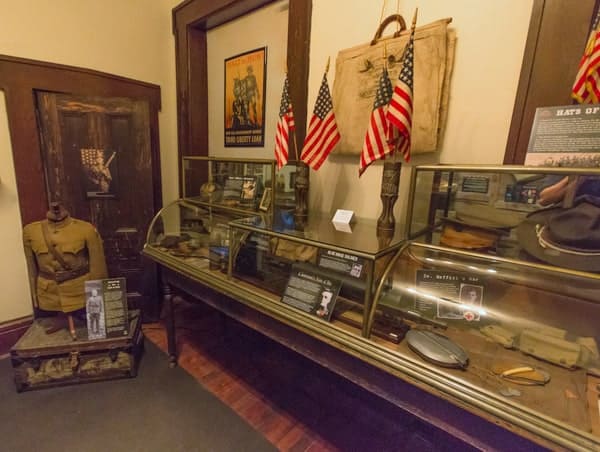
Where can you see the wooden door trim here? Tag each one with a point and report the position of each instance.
(191, 21)
(524, 81)
(20, 78)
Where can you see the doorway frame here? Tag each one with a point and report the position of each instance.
(20, 78)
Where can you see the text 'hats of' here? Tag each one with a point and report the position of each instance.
(565, 237)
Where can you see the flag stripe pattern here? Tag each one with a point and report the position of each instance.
(323, 133)
(400, 110)
(285, 125)
(586, 88)
(376, 144)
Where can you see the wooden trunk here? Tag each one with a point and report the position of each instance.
(43, 360)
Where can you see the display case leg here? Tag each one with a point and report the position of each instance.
(170, 323)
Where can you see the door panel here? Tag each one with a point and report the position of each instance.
(97, 161)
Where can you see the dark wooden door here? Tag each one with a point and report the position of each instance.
(97, 163)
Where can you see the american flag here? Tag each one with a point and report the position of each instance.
(285, 125)
(586, 88)
(400, 111)
(323, 134)
(376, 139)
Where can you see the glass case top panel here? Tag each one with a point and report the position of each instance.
(360, 236)
(537, 214)
(236, 184)
(526, 334)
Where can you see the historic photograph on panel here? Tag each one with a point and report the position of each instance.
(98, 167)
(245, 83)
(94, 309)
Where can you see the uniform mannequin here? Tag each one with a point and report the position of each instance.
(57, 279)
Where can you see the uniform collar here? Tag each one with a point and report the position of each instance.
(60, 224)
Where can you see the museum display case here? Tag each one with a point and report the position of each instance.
(497, 315)
(506, 338)
(509, 211)
(194, 231)
(238, 186)
(315, 267)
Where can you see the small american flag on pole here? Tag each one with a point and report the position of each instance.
(376, 139)
(323, 134)
(400, 111)
(285, 125)
(586, 88)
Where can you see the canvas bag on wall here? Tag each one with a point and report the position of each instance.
(358, 70)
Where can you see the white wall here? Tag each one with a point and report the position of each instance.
(130, 38)
(489, 51)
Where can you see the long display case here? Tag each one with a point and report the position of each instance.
(459, 301)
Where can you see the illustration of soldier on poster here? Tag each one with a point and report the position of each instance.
(245, 83)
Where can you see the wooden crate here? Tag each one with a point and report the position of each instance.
(43, 360)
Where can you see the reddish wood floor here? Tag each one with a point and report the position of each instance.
(293, 402)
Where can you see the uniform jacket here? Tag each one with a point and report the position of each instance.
(81, 246)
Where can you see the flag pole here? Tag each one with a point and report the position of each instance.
(294, 140)
(390, 178)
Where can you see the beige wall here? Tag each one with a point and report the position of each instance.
(130, 38)
(133, 38)
(490, 42)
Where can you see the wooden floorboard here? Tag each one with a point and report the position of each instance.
(296, 404)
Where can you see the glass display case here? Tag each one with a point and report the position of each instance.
(507, 338)
(194, 231)
(526, 213)
(315, 267)
(242, 186)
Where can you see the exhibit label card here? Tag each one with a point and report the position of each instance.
(565, 136)
(449, 295)
(115, 307)
(311, 292)
(347, 264)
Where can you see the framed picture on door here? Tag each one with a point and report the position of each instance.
(99, 173)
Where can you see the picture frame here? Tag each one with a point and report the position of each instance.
(99, 174)
(244, 96)
(266, 199)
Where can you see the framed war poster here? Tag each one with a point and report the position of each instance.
(245, 83)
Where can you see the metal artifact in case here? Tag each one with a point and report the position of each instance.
(269, 254)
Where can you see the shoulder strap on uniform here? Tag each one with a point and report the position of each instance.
(52, 247)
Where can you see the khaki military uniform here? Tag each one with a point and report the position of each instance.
(54, 287)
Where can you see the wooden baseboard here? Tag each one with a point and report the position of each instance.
(11, 331)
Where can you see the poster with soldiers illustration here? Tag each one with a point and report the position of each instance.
(245, 83)
(98, 168)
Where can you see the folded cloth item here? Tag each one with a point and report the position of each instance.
(457, 234)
